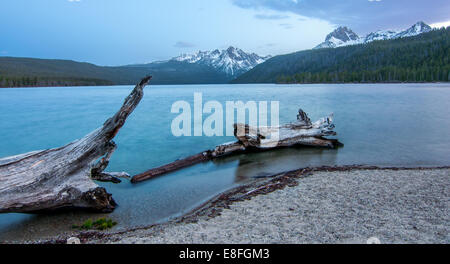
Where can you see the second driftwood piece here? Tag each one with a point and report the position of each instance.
(301, 132)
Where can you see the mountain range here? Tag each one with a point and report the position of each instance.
(232, 61)
(343, 36)
(235, 65)
(204, 67)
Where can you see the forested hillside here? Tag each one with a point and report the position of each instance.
(28, 72)
(423, 58)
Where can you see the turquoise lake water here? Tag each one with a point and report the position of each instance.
(380, 124)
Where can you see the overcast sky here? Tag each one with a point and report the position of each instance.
(118, 32)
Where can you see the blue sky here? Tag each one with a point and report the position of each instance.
(118, 32)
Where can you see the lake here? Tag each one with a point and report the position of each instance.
(380, 124)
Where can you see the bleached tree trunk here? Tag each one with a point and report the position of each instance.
(64, 177)
(301, 132)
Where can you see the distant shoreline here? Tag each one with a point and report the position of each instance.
(55, 86)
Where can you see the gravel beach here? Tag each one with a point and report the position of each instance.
(396, 206)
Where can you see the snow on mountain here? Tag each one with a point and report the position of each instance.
(232, 61)
(344, 36)
(416, 29)
(380, 35)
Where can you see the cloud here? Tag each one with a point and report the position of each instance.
(271, 17)
(363, 16)
(182, 44)
(441, 24)
(73, 1)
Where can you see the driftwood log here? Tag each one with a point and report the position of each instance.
(249, 139)
(64, 177)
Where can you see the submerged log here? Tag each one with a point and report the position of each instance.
(301, 132)
(64, 177)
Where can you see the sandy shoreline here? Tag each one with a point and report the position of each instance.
(335, 205)
(346, 204)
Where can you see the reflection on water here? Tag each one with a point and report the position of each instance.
(268, 163)
(382, 124)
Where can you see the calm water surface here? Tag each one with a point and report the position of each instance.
(380, 124)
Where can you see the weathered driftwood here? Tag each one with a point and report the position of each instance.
(300, 132)
(63, 177)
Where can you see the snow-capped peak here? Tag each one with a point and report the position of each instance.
(416, 29)
(233, 61)
(344, 36)
(339, 37)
